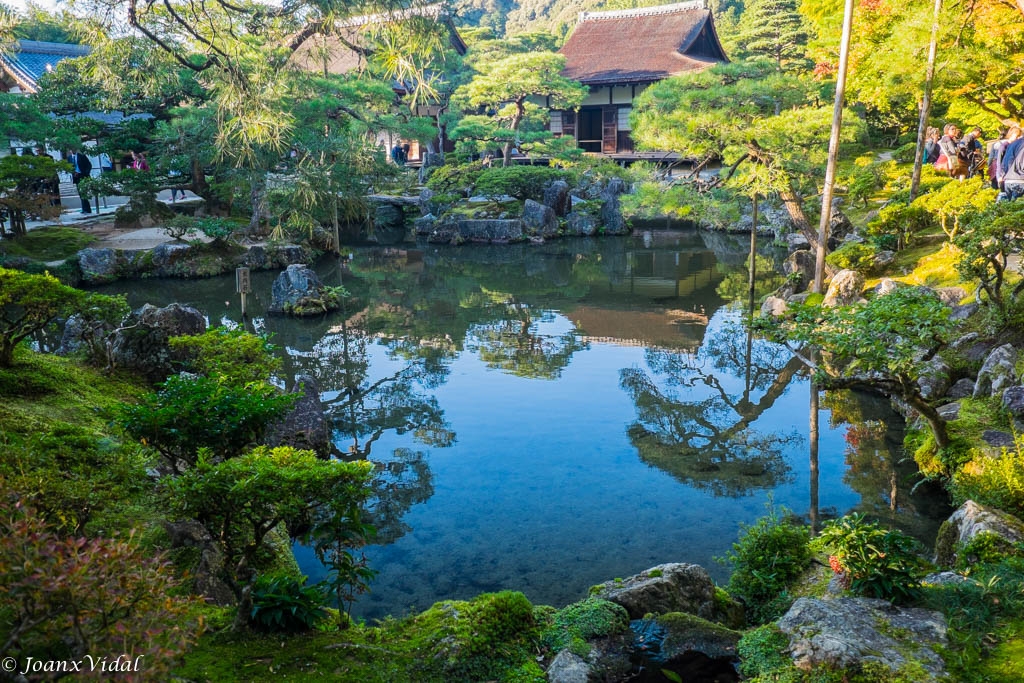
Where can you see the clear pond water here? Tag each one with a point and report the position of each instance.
(544, 418)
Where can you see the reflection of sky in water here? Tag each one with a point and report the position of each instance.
(543, 490)
(544, 493)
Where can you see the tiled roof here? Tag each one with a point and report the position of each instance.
(641, 45)
(28, 60)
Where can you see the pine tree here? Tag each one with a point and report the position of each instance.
(773, 29)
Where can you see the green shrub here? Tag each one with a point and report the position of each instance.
(897, 224)
(216, 228)
(455, 179)
(762, 651)
(233, 355)
(521, 182)
(853, 256)
(768, 556)
(876, 562)
(996, 481)
(28, 303)
(286, 604)
(189, 413)
(905, 154)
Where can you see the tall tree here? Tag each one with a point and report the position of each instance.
(772, 29)
(507, 89)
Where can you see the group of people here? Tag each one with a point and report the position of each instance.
(400, 153)
(964, 156)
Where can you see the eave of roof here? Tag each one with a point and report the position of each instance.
(26, 61)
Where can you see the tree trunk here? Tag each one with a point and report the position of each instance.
(258, 197)
(931, 415)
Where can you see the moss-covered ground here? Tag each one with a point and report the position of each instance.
(50, 243)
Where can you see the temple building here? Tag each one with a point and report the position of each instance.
(26, 61)
(618, 54)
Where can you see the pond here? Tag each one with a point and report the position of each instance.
(544, 418)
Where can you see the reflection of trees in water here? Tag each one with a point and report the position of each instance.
(514, 344)
(399, 482)
(709, 442)
(878, 469)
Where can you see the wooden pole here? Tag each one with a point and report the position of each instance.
(926, 103)
(833, 146)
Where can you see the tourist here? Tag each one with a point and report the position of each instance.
(396, 154)
(82, 168)
(106, 165)
(1013, 169)
(995, 156)
(970, 152)
(931, 145)
(405, 153)
(139, 162)
(948, 160)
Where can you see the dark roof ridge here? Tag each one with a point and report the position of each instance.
(689, 6)
(48, 48)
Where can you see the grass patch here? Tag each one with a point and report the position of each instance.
(51, 243)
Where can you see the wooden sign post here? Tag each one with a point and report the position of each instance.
(242, 285)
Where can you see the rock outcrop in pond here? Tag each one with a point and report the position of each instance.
(140, 344)
(299, 291)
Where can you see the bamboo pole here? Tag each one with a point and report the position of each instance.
(833, 146)
(926, 103)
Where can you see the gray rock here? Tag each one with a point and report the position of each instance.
(951, 296)
(839, 225)
(687, 634)
(80, 335)
(797, 242)
(964, 312)
(800, 298)
(556, 197)
(934, 379)
(490, 230)
(445, 231)
(883, 259)
(845, 289)
(846, 633)
(966, 339)
(774, 306)
(539, 220)
(950, 411)
(424, 225)
(994, 437)
(296, 283)
(1013, 402)
(888, 286)
(944, 579)
(98, 265)
(206, 581)
(997, 373)
(141, 345)
(962, 388)
(969, 520)
(568, 668)
(581, 224)
(675, 587)
(611, 216)
(803, 262)
(305, 426)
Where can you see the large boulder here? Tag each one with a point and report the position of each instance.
(951, 296)
(845, 289)
(491, 230)
(556, 197)
(299, 291)
(1013, 402)
(774, 306)
(141, 342)
(304, 427)
(803, 263)
(693, 647)
(888, 286)
(847, 633)
(611, 208)
(567, 667)
(424, 225)
(969, 520)
(206, 575)
(581, 224)
(82, 335)
(997, 373)
(934, 379)
(100, 266)
(539, 220)
(797, 241)
(839, 225)
(673, 587)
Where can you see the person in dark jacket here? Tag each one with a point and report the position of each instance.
(931, 145)
(1013, 169)
(82, 168)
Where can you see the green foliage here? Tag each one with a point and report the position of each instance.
(991, 235)
(455, 179)
(28, 303)
(955, 199)
(772, 29)
(853, 255)
(286, 604)
(521, 182)
(190, 413)
(864, 182)
(48, 243)
(767, 558)
(68, 597)
(242, 499)
(22, 191)
(584, 620)
(897, 224)
(654, 200)
(762, 651)
(877, 562)
(141, 188)
(997, 481)
(234, 356)
(985, 548)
